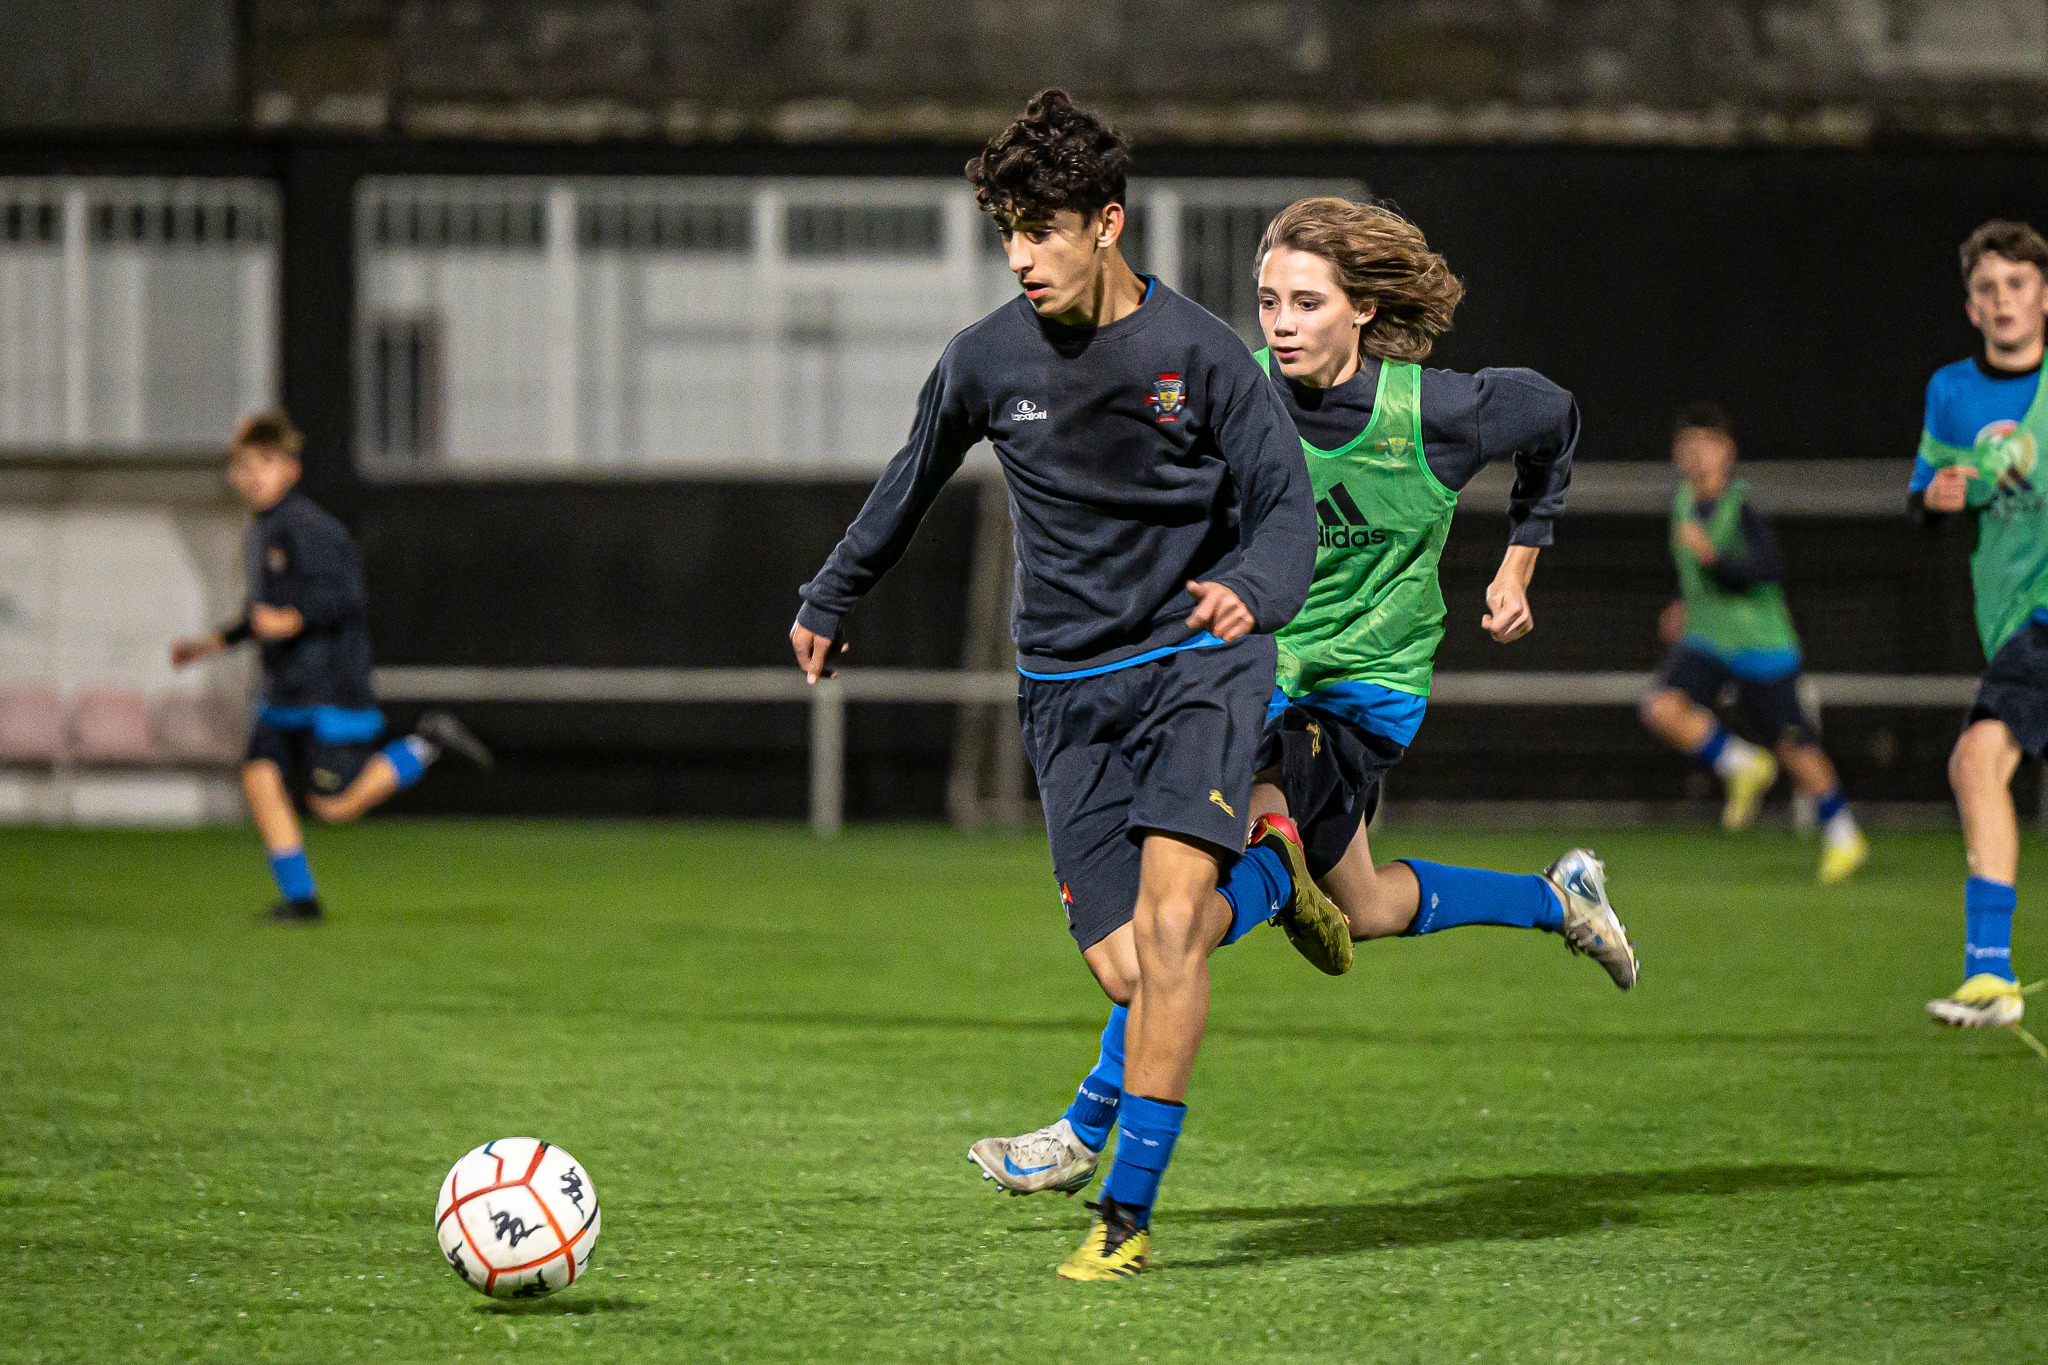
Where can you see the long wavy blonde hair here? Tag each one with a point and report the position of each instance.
(1381, 259)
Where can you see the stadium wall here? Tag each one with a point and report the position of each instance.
(1810, 290)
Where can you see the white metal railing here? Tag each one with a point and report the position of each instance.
(517, 325)
(828, 700)
(134, 312)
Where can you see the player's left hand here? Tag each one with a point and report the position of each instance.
(274, 623)
(1219, 611)
(1699, 542)
(1508, 617)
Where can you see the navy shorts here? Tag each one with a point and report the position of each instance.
(1166, 746)
(1330, 772)
(2014, 689)
(1774, 705)
(318, 755)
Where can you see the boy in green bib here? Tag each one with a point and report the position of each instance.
(1351, 300)
(1729, 627)
(1980, 447)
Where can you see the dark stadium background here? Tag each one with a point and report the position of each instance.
(1810, 288)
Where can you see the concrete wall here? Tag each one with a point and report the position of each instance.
(1637, 71)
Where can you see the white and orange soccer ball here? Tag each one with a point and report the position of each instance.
(517, 1218)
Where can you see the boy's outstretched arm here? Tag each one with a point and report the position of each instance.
(947, 424)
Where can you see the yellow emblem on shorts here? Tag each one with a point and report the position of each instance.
(1217, 797)
(1315, 738)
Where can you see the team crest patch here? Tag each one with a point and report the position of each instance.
(1067, 901)
(1169, 396)
(273, 559)
(2006, 455)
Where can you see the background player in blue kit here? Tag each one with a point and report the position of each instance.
(1980, 449)
(317, 725)
(1163, 530)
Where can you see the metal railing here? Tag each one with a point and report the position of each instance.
(829, 699)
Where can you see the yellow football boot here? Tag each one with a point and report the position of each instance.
(1746, 788)
(1114, 1249)
(1838, 862)
(1311, 920)
(1984, 1001)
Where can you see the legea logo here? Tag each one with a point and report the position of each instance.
(1028, 411)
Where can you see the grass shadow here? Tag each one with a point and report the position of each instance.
(557, 1306)
(1528, 1207)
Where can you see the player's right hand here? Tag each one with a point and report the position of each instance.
(814, 653)
(1950, 491)
(1671, 623)
(194, 648)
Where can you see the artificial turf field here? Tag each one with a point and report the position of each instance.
(224, 1139)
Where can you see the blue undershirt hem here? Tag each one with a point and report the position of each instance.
(1203, 641)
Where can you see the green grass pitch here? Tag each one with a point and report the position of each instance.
(223, 1141)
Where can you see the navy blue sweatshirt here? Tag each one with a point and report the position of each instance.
(1140, 455)
(298, 555)
(1468, 421)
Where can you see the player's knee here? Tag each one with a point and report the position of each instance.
(1118, 982)
(332, 810)
(1980, 756)
(1660, 710)
(1166, 920)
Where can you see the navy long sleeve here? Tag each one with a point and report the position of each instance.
(1759, 561)
(301, 557)
(1140, 456)
(1468, 422)
(946, 427)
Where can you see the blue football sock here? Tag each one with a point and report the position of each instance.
(1146, 1132)
(1987, 927)
(409, 758)
(1256, 886)
(293, 874)
(1831, 805)
(1709, 751)
(1093, 1112)
(1452, 896)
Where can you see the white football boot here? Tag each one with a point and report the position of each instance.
(1051, 1158)
(1590, 924)
(1984, 1001)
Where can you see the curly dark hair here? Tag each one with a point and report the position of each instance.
(1055, 156)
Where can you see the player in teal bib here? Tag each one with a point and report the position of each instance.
(1980, 447)
(1731, 628)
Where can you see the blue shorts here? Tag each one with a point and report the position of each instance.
(319, 749)
(1330, 771)
(2014, 689)
(1166, 745)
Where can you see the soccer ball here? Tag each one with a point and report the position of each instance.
(517, 1218)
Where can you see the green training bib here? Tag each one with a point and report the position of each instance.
(2009, 569)
(1375, 612)
(1754, 618)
